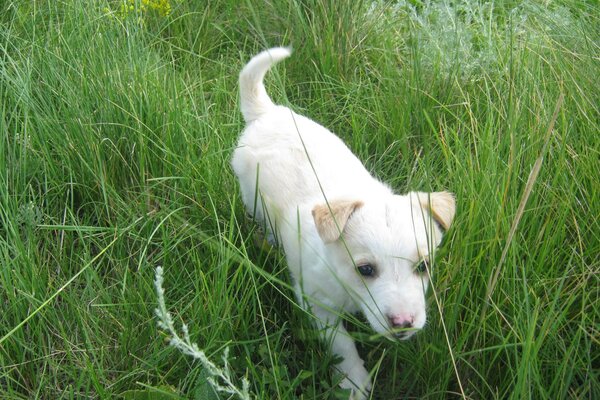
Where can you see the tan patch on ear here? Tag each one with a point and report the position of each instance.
(326, 216)
(441, 205)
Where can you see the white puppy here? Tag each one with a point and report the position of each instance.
(351, 243)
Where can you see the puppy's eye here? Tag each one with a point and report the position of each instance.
(422, 267)
(366, 269)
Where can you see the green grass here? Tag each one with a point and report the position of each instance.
(116, 133)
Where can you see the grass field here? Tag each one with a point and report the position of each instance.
(117, 125)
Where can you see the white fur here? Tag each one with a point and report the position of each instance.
(391, 232)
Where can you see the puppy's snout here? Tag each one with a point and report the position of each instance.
(401, 320)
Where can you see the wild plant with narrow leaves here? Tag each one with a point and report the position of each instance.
(220, 378)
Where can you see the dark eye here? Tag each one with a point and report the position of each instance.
(366, 270)
(422, 267)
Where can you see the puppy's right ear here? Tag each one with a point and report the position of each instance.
(330, 219)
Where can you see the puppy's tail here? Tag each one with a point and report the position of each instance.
(254, 98)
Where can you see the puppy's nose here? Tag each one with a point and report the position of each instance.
(401, 320)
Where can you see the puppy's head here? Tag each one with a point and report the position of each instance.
(381, 250)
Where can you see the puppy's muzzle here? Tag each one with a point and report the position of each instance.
(402, 325)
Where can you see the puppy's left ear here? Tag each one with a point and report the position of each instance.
(441, 205)
(330, 219)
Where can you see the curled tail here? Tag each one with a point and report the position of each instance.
(254, 98)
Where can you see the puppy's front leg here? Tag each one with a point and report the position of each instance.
(352, 366)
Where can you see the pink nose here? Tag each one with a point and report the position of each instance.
(401, 320)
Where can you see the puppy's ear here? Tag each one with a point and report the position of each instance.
(441, 205)
(326, 216)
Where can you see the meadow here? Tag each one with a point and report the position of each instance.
(117, 124)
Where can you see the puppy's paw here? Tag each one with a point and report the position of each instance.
(359, 381)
